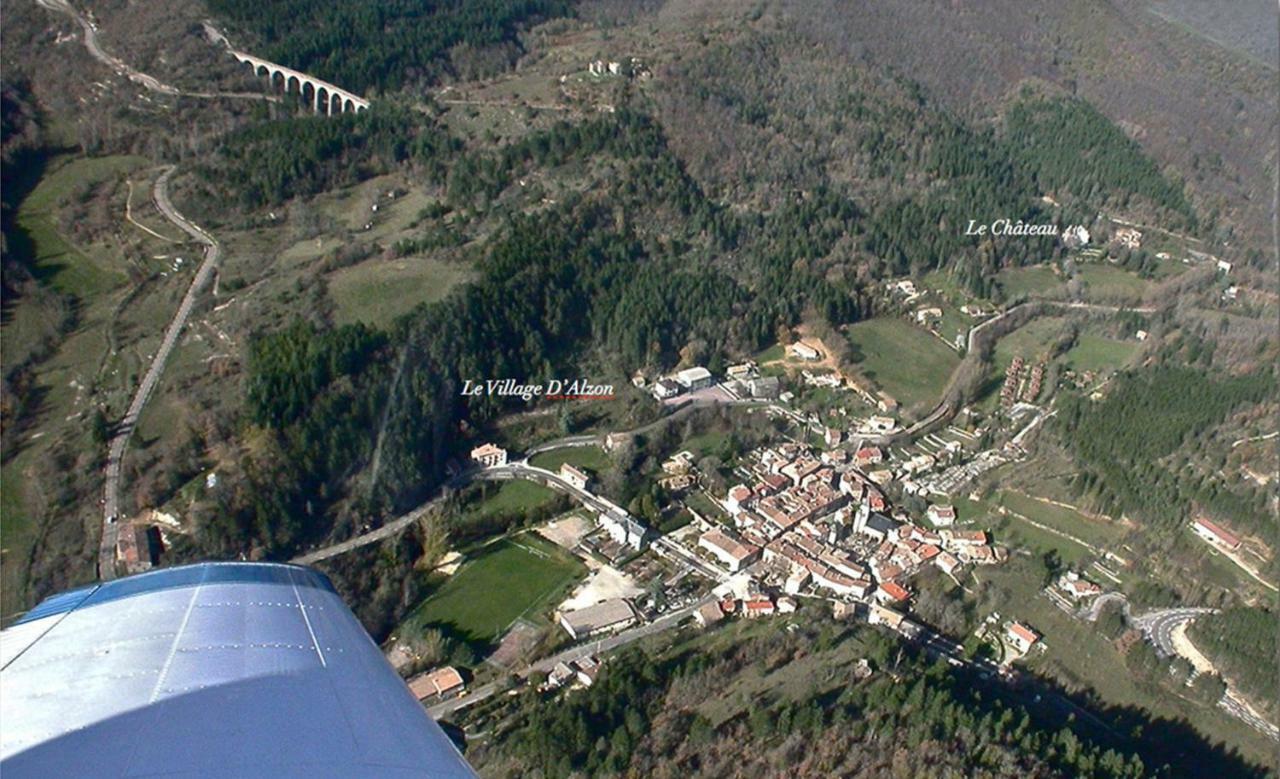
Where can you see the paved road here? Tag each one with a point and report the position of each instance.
(1158, 626)
(124, 430)
(373, 536)
(514, 470)
(597, 647)
(144, 80)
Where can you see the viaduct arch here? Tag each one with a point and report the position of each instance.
(326, 98)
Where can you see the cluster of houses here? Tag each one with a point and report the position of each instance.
(755, 605)
(819, 523)
(629, 68)
(909, 472)
(1015, 388)
(744, 381)
(1127, 237)
(578, 673)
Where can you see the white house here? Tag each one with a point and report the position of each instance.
(575, 477)
(624, 529)
(489, 456)
(941, 515)
(665, 388)
(1075, 235)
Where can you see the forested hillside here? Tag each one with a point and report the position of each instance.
(384, 45)
(1146, 417)
(676, 713)
(639, 267)
(1242, 642)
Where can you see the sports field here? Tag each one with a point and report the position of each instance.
(524, 576)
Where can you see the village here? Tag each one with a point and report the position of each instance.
(854, 506)
(811, 523)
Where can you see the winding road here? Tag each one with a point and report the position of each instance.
(514, 470)
(124, 429)
(118, 65)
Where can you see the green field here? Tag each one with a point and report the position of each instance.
(773, 353)
(377, 291)
(1098, 532)
(17, 532)
(1020, 282)
(1096, 353)
(513, 496)
(591, 458)
(1107, 282)
(523, 576)
(905, 361)
(56, 260)
(89, 274)
(1030, 342)
(702, 444)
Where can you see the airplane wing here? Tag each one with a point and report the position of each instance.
(216, 669)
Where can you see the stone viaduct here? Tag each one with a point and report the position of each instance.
(327, 98)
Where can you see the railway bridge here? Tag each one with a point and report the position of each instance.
(327, 98)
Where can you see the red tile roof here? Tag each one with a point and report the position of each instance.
(895, 591)
(1226, 537)
(1023, 632)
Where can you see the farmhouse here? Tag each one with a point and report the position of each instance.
(1215, 534)
(1021, 636)
(928, 314)
(1077, 587)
